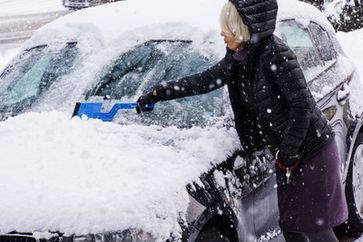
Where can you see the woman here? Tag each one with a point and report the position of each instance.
(273, 107)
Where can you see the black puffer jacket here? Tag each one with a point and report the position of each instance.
(270, 99)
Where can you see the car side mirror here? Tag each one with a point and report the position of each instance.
(343, 94)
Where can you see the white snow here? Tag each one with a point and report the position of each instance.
(19, 7)
(124, 16)
(80, 176)
(334, 8)
(108, 19)
(354, 50)
(302, 11)
(360, 239)
(88, 176)
(23, 7)
(351, 43)
(6, 55)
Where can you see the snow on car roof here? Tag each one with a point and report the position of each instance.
(302, 12)
(108, 21)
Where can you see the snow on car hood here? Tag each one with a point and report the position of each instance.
(86, 176)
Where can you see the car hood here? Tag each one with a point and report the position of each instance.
(85, 176)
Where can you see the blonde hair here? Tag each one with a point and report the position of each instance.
(232, 25)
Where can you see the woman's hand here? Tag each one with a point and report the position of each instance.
(285, 162)
(145, 103)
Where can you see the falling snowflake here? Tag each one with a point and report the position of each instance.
(320, 222)
(273, 67)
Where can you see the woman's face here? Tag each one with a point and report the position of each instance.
(232, 43)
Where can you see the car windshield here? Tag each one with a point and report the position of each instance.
(31, 74)
(153, 62)
(299, 40)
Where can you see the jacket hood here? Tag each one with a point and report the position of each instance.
(260, 17)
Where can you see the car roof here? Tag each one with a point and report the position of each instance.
(106, 31)
(107, 22)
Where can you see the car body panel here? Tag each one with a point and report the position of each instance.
(78, 4)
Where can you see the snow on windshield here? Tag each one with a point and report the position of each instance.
(81, 176)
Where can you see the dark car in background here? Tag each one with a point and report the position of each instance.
(78, 4)
(98, 59)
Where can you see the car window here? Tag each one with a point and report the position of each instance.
(32, 74)
(159, 61)
(329, 80)
(300, 41)
(21, 64)
(323, 44)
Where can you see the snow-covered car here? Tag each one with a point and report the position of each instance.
(172, 173)
(78, 4)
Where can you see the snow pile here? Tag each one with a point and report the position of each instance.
(81, 176)
(352, 47)
(355, 52)
(334, 9)
(19, 7)
(346, 15)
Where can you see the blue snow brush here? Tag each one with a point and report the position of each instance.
(93, 110)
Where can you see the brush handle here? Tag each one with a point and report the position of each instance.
(93, 110)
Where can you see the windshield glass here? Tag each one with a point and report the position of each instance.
(153, 62)
(300, 41)
(31, 75)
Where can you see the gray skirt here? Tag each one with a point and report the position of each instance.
(314, 199)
